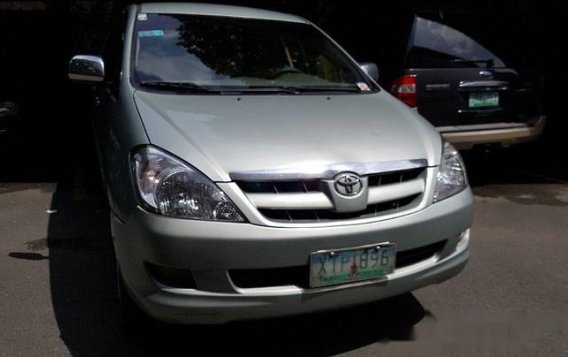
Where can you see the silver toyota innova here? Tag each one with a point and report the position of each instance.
(254, 169)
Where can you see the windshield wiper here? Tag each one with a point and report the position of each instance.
(267, 89)
(298, 89)
(183, 87)
(316, 89)
(347, 89)
(488, 62)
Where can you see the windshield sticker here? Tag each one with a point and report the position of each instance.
(142, 17)
(151, 33)
(363, 87)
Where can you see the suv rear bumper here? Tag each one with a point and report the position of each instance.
(465, 137)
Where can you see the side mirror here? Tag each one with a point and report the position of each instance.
(86, 69)
(371, 69)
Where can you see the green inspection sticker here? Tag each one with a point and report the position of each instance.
(151, 33)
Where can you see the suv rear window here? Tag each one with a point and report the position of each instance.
(437, 45)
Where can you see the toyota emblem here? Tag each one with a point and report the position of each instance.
(348, 184)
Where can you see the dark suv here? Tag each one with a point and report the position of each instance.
(469, 93)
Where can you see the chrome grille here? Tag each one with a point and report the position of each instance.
(306, 186)
(394, 177)
(308, 200)
(304, 216)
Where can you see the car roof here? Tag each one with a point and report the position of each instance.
(218, 10)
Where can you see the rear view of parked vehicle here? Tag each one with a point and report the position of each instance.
(464, 89)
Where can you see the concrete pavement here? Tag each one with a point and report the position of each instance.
(57, 293)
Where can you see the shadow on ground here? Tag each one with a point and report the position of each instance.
(534, 173)
(321, 334)
(541, 161)
(86, 306)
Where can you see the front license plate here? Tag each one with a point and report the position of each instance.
(333, 267)
(483, 100)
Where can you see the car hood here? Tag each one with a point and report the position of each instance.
(220, 135)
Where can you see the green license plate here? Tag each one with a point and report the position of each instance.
(483, 100)
(333, 267)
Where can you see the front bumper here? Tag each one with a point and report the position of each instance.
(465, 137)
(211, 249)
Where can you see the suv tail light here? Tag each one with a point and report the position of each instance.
(404, 88)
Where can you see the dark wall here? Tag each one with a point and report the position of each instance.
(38, 44)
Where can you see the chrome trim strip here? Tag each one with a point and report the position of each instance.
(82, 77)
(438, 87)
(395, 191)
(475, 127)
(290, 201)
(494, 84)
(487, 110)
(483, 86)
(326, 172)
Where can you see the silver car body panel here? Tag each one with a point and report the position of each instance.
(205, 251)
(220, 135)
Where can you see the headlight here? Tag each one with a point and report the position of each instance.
(173, 188)
(451, 177)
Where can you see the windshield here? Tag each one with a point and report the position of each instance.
(225, 53)
(436, 45)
